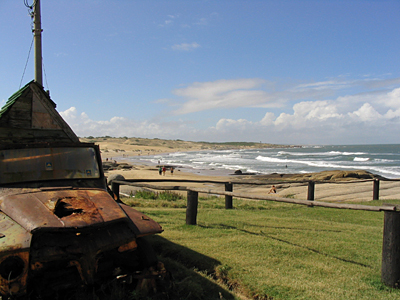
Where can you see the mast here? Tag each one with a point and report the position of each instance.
(37, 34)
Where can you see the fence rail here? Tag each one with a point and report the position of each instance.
(245, 196)
(390, 272)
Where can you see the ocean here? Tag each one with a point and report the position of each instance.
(382, 160)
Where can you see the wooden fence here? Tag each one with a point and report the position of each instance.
(390, 272)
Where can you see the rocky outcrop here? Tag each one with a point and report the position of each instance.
(334, 175)
(113, 165)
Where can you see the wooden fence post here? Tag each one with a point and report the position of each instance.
(311, 189)
(375, 195)
(191, 209)
(115, 189)
(390, 273)
(228, 199)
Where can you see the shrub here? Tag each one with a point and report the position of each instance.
(146, 195)
(170, 196)
(165, 195)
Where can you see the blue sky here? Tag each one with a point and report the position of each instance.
(289, 72)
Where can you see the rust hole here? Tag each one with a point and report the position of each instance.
(65, 208)
(76, 208)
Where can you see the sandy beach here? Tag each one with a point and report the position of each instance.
(117, 149)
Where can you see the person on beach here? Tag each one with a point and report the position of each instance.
(159, 170)
(163, 170)
(172, 170)
(272, 190)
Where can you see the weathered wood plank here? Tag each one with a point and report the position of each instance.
(43, 121)
(390, 270)
(31, 117)
(191, 209)
(16, 123)
(15, 135)
(54, 115)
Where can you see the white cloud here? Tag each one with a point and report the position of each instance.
(185, 46)
(255, 92)
(236, 125)
(202, 22)
(325, 122)
(83, 126)
(372, 117)
(315, 110)
(221, 94)
(323, 85)
(268, 119)
(69, 114)
(169, 21)
(393, 99)
(366, 113)
(391, 114)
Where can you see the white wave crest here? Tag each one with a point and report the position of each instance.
(361, 159)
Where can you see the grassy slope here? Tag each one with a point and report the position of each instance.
(270, 250)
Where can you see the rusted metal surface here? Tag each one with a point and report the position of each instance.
(14, 256)
(60, 209)
(14, 273)
(142, 224)
(85, 256)
(61, 234)
(68, 237)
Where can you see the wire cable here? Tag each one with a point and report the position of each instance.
(45, 76)
(26, 64)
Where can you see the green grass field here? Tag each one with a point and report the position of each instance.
(267, 250)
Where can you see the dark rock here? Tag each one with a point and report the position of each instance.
(109, 165)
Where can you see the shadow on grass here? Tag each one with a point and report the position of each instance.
(292, 244)
(191, 272)
(188, 278)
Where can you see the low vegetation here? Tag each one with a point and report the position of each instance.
(156, 142)
(266, 250)
(164, 195)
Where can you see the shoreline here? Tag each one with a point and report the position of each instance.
(179, 168)
(124, 152)
(334, 191)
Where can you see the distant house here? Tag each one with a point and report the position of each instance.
(30, 116)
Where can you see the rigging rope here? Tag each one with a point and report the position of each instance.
(45, 76)
(26, 64)
(30, 6)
